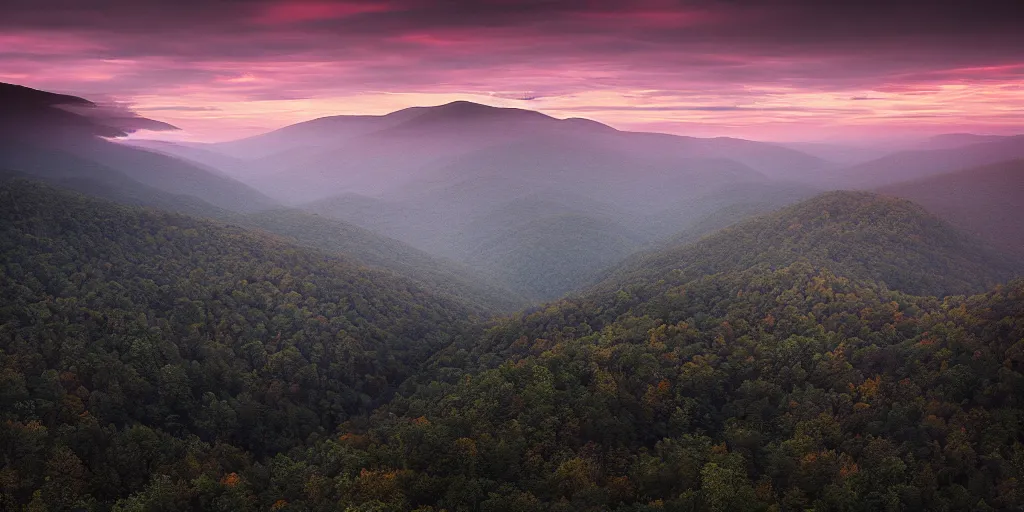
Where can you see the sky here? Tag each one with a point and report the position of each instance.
(767, 70)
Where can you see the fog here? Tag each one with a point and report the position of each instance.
(538, 205)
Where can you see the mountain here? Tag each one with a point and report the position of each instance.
(957, 140)
(985, 201)
(26, 110)
(844, 155)
(372, 155)
(439, 276)
(60, 138)
(769, 382)
(192, 152)
(538, 245)
(551, 255)
(721, 207)
(445, 179)
(316, 133)
(917, 164)
(134, 340)
(856, 235)
(154, 361)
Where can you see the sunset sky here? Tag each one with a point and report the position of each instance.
(770, 70)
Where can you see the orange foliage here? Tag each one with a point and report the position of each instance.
(231, 479)
(356, 440)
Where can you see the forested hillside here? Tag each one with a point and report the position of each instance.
(135, 343)
(771, 385)
(438, 275)
(853, 234)
(850, 352)
(785, 389)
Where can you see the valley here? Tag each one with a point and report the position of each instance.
(465, 307)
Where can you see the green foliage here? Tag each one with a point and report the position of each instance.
(854, 234)
(369, 248)
(547, 257)
(135, 344)
(757, 390)
(151, 361)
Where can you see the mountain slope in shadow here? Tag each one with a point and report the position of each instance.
(61, 138)
(985, 201)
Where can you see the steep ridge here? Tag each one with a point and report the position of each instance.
(160, 335)
(773, 365)
(767, 383)
(546, 257)
(59, 138)
(987, 202)
(539, 245)
(63, 148)
(440, 276)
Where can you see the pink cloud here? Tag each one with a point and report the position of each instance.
(301, 12)
(709, 68)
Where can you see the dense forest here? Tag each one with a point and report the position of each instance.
(853, 234)
(823, 357)
(136, 344)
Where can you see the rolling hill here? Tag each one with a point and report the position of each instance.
(549, 256)
(984, 201)
(857, 235)
(150, 360)
(784, 377)
(918, 164)
(372, 155)
(439, 276)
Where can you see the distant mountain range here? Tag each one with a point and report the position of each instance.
(42, 140)
(970, 151)
(467, 141)
(986, 201)
(453, 179)
(524, 206)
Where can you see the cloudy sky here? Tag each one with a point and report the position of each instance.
(770, 69)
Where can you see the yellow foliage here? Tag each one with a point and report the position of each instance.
(466, 446)
(870, 386)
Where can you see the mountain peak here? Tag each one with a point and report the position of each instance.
(467, 110)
